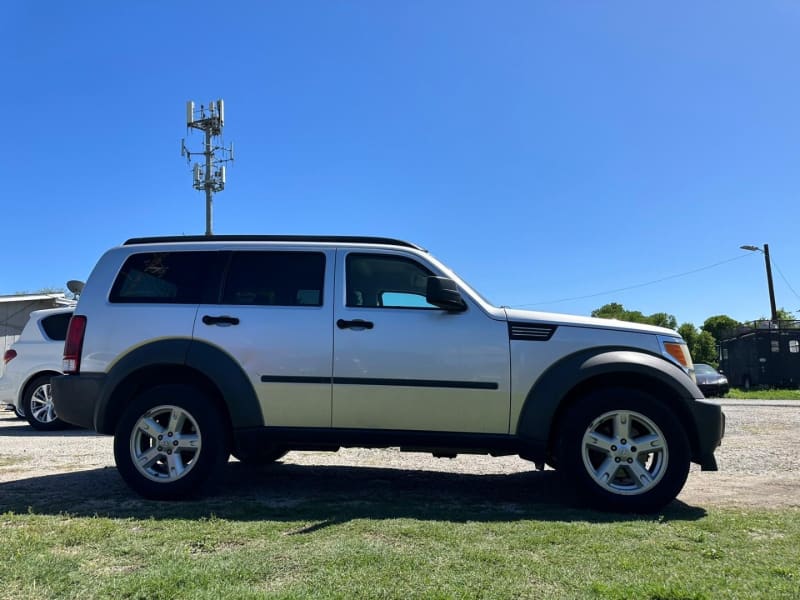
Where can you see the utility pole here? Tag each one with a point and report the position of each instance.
(209, 177)
(765, 252)
(769, 283)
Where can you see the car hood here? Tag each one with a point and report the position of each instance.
(531, 316)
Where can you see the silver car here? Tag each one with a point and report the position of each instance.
(189, 349)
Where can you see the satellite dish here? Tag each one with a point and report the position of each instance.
(75, 286)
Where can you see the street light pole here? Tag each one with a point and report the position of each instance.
(765, 252)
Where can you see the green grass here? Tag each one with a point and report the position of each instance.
(339, 548)
(764, 394)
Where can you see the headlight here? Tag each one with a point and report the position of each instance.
(676, 350)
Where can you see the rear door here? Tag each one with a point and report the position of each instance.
(274, 317)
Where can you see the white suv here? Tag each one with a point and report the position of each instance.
(188, 349)
(30, 363)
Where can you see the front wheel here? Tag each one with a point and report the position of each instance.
(170, 442)
(624, 450)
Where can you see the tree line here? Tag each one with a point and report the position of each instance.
(702, 341)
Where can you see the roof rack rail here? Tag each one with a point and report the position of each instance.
(327, 239)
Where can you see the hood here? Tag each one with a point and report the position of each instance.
(532, 316)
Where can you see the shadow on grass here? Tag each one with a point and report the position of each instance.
(326, 495)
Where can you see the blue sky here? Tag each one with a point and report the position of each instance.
(544, 150)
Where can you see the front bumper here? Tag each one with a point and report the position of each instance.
(77, 398)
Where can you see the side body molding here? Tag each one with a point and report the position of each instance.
(166, 360)
(575, 370)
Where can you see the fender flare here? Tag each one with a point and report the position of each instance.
(547, 394)
(215, 365)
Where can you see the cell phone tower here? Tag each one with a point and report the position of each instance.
(209, 176)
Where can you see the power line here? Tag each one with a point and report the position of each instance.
(786, 281)
(638, 285)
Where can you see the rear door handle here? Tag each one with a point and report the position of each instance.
(356, 324)
(220, 320)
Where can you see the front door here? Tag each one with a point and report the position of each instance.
(402, 364)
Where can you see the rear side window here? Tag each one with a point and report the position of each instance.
(55, 326)
(275, 278)
(164, 277)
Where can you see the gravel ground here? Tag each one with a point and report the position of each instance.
(759, 463)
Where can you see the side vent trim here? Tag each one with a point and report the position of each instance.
(531, 332)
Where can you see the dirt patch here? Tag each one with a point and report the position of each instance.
(759, 467)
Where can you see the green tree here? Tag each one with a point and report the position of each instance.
(615, 310)
(701, 344)
(663, 320)
(718, 325)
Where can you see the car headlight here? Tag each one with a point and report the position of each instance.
(676, 350)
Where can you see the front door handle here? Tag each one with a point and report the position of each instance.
(221, 320)
(355, 324)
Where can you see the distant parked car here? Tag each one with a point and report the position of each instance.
(30, 363)
(710, 381)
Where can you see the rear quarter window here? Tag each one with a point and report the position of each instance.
(165, 278)
(55, 326)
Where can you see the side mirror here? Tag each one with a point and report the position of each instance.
(443, 292)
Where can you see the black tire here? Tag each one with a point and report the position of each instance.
(184, 436)
(37, 405)
(610, 471)
(264, 457)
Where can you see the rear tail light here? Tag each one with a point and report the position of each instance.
(73, 346)
(8, 356)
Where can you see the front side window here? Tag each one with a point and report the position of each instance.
(163, 277)
(386, 281)
(275, 278)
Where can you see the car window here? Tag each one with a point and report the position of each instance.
(55, 326)
(386, 281)
(164, 277)
(275, 278)
(701, 368)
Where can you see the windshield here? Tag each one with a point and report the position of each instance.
(701, 368)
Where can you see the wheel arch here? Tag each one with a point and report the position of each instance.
(552, 395)
(180, 362)
(25, 384)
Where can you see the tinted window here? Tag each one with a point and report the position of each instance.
(275, 279)
(55, 326)
(381, 280)
(164, 277)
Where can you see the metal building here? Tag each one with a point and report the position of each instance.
(762, 354)
(15, 310)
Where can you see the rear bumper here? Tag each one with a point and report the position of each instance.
(710, 422)
(76, 398)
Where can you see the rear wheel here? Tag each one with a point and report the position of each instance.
(37, 403)
(624, 450)
(170, 442)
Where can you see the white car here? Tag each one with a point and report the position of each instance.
(30, 363)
